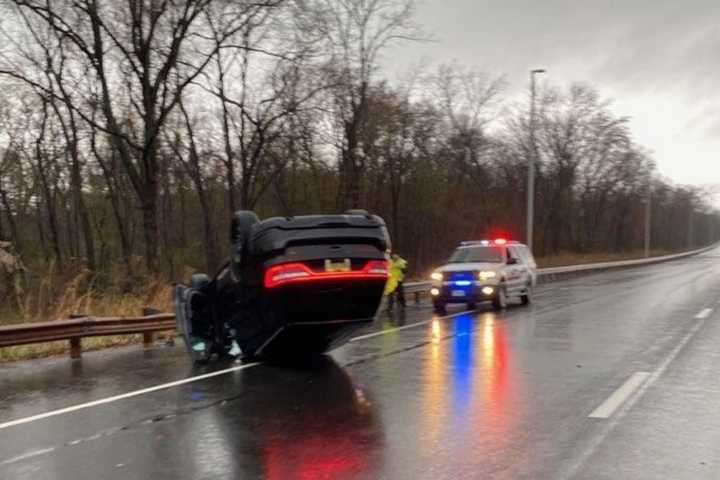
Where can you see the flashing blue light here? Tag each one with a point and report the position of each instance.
(463, 283)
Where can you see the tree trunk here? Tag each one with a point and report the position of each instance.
(45, 187)
(211, 259)
(148, 206)
(110, 180)
(41, 230)
(82, 211)
(14, 235)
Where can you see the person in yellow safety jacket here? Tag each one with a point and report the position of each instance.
(394, 285)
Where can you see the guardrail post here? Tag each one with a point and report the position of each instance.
(76, 347)
(149, 337)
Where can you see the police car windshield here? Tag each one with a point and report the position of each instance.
(477, 254)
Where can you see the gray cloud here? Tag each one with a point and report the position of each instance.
(632, 50)
(632, 44)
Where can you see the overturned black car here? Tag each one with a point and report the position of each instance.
(293, 286)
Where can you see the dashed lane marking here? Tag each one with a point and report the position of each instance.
(618, 397)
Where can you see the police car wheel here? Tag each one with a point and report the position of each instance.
(527, 297)
(439, 307)
(499, 301)
(471, 306)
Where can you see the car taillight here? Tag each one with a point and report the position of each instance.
(377, 267)
(283, 273)
(299, 272)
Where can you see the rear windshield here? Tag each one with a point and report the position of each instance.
(477, 254)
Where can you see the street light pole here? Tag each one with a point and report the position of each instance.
(690, 239)
(648, 217)
(531, 163)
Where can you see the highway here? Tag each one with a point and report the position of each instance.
(610, 375)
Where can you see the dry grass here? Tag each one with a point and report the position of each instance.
(57, 296)
(565, 259)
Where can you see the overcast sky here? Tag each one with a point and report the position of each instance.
(658, 59)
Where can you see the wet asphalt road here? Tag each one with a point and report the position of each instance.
(472, 395)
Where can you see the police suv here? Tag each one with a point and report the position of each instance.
(485, 270)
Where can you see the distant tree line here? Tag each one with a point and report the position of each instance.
(133, 128)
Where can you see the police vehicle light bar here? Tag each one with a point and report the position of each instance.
(487, 243)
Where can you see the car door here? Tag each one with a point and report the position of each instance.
(530, 264)
(516, 275)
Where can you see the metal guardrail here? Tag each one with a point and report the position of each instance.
(588, 267)
(75, 329)
(549, 274)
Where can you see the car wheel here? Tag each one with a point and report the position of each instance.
(527, 297)
(471, 306)
(242, 221)
(499, 302)
(240, 230)
(439, 308)
(199, 281)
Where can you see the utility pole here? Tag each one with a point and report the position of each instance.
(531, 163)
(648, 219)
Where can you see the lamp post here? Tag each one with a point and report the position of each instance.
(648, 218)
(531, 163)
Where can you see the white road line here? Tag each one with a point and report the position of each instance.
(164, 386)
(123, 396)
(618, 397)
(27, 455)
(608, 427)
(417, 324)
(705, 313)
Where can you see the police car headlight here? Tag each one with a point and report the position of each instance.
(487, 275)
(437, 276)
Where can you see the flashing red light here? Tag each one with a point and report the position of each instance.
(500, 241)
(300, 273)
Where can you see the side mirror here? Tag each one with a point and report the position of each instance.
(512, 261)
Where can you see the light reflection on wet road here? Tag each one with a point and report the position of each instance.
(477, 395)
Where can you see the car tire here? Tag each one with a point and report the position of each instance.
(439, 308)
(499, 301)
(199, 281)
(242, 222)
(471, 306)
(240, 230)
(527, 297)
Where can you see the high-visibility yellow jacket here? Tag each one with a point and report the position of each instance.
(397, 274)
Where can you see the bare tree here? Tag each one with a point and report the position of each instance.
(356, 33)
(143, 48)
